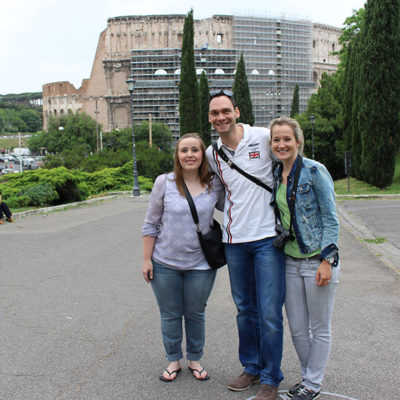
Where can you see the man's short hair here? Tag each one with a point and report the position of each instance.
(222, 92)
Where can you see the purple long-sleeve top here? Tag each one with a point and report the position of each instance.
(170, 221)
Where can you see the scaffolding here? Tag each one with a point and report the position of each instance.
(278, 55)
(157, 74)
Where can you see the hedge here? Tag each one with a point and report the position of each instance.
(59, 185)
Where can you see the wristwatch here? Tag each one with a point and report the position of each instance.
(330, 260)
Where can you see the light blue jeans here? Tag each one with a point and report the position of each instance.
(257, 276)
(182, 294)
(309, 309)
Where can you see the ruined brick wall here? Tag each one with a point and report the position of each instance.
(106, 86)
(111, 65)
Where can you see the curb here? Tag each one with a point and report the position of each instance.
(45, 210)
(368, 196)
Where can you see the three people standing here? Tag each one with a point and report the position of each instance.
(256, 266)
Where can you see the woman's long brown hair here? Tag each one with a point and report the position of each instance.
(204, 169)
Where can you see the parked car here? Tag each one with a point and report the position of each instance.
(27, 160)
(7, 171)
(10, 157)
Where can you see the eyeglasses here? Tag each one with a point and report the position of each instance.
(223, 92)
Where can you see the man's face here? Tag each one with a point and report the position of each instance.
(222, 115)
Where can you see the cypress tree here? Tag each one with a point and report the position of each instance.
(348, 89)
(189, 106)
(355, 132)
(241, 91)
(380, 92)
(204, 92)
(295, 107)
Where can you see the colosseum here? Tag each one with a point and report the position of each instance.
(279, 53)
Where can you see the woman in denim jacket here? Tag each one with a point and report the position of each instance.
(312, 258)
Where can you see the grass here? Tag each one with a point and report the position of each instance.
(375, 241)
(359, 187)
(8, 143)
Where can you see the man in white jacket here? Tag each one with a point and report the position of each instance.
(256, 267)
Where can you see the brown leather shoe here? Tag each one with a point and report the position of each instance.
(267, 392)
(9, 219)
(1, 221)
(243, 382)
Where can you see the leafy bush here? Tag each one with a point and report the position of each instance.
(40, 195)
(60, 185)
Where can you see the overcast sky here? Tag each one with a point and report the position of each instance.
(43, 41)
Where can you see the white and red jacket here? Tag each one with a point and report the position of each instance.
(247, 213)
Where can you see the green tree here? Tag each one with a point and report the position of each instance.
(19, 115)
(32, 119)
(118, 139)
(352, 27)
(295, 107)
(189, 106)
(348, 90)
(352, 84)
(12, 122)
(152, 161)
(241, 91)
(379, 116)
(326, 106)
(66, 133)
(122, 138)
(204, 100)
(161, 135)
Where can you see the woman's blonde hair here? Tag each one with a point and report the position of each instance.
(204, 169)
(292, 123)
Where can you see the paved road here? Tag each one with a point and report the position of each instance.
(375, 219)
(77, 321)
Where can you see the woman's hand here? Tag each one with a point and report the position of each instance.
(147, 270)
(324, 273)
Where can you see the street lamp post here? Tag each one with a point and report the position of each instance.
(312, 118)
(96, 111)
(136, 190)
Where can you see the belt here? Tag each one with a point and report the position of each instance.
(316, 257)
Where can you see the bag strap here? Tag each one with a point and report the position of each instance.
(192, 207)
(292, 197)
(223, 155)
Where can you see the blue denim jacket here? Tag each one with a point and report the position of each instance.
(315, 222)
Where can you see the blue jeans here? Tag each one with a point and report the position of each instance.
(257, 276)
(182, 294)
(309, 309)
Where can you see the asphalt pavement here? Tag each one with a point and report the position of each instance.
(77, 321)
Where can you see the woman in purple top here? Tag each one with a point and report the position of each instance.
(173, 260)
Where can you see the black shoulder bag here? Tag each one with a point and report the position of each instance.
(211, 242)
(284, 235)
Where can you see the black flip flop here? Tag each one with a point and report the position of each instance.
(169, 373)
(193, 370)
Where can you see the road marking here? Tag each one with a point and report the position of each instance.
(342, 396)
(283, 396)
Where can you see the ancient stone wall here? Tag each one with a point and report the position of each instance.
(325, 42)
(105, 96)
